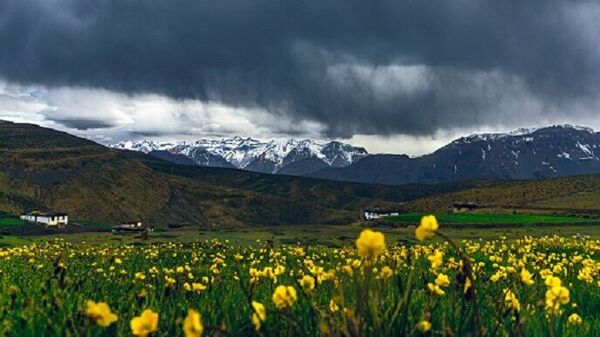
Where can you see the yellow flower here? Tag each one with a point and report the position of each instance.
(424, 326)
(307, 283)
(260, 310)
(468, 285)
(198, 287)
(284, 296)
(333, 307)
(386, 272)
(511, 300)
(427, 228)
(574, 319)
(192, 325)
(100, 313)
(555, 295)
(552, 281)
(144, 324)
(435, 259)
(370, 243)
(526, 277)
(442, 280)
(435, 289)
(256, 321)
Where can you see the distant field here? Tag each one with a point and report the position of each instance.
(8, 221)
(94, 224)
(562, 194)
(482, 218)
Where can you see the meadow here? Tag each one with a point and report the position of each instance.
(431, 285)
(491, 218)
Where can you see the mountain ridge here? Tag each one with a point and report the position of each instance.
(525, 153)
(547, 152)
(251, 154)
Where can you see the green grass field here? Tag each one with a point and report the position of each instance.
(348, 293)
(11, 221)
(482, 218)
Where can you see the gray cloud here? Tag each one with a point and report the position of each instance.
(356, 67)
(84, 124)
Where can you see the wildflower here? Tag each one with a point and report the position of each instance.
(526, 277)
(555, 295)
(468, 285)
(427, 228)
(169, 281)
(585, 274)
(100, 313)
(435, 259)
(511, 300)
(144, 324)
(370, 243)
(307, 283)
(424, 326)
(574, 319)
(386, 272)
(198, 287)
(442, 280)
(260, 310)
(256, 321)
(140, 276)
(284, 296)
(192, 325)
(333, 307)
(435, 289)
(552, 281)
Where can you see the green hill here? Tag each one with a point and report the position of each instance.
(44, 169)
(573, 194)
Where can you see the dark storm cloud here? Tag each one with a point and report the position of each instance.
(84, 124)
(376, 67)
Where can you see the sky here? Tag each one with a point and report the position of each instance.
(395, 76)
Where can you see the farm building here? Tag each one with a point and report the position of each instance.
(49, 219)
(129, 226)
(462, 207)
(377, 213)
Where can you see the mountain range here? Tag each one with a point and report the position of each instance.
(554, 151)
(281, 156)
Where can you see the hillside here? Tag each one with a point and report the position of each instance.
(550, 152)
(43, 169)
(571, 194)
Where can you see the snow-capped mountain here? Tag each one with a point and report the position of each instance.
(555, 151)
(285, 156)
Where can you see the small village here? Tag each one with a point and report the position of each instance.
(61, 220)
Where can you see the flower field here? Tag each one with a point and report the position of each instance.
(548, 286)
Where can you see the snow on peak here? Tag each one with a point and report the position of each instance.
(521, 132)
(241, 152)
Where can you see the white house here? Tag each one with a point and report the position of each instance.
(129, 226)
(377, 214)
(49, 219)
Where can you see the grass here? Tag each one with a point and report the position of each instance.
(483, 218)
(93, 224)
(313, 235)
(566, 194)
(46, 285)
(11, 221)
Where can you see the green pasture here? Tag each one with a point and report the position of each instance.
(499, 219)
